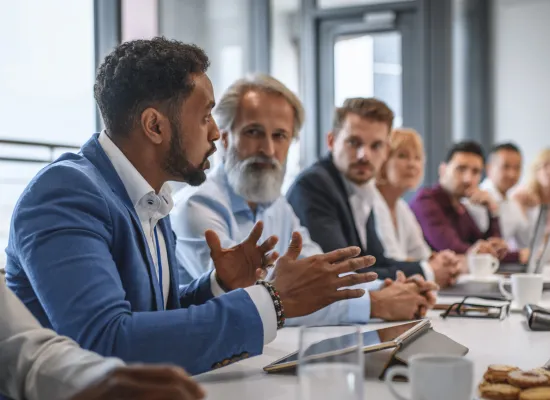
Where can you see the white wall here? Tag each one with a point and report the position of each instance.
(522, 73)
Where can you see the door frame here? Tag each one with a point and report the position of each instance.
(330, 30)
(430, 80)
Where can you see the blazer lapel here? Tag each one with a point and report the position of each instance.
(93, 151)
(173, 297)
(342, 193)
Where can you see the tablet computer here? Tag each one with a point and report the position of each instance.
(383, 338)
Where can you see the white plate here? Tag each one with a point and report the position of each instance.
(492, 278)
(472, 278)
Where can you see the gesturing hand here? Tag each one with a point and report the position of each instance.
(240, 266)
(309, 284)
(144, 383)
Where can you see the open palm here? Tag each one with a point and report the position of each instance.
(241, 265)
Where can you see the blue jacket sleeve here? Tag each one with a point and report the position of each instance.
(62, 232)
(197, 292)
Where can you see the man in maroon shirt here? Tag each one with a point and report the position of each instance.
(444, 219)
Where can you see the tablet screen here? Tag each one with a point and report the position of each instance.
(371, 340)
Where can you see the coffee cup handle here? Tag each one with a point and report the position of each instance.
(494, 265)
(390, 374)
(504, 292)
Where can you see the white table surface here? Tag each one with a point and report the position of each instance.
(489, 341)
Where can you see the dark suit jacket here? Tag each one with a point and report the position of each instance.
(320, 201)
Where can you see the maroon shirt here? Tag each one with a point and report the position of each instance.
(446, 226)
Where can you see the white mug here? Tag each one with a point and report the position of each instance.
(432, 375)
(482, 265)
(526, 289)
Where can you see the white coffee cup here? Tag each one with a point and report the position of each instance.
(526, 289)
(482, 265)
(432, 375)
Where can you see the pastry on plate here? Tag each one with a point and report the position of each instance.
(499, 391)
(538, 393)
(497, 373)
(527, 379)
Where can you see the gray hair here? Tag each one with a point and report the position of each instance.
(226, 109)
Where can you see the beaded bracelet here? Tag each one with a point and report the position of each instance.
(279, 310)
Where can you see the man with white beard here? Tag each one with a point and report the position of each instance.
(258, 118)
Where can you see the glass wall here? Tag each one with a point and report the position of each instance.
(347, 3)
(285, 64)
(221, 28)
(46, 90)
(376, 69)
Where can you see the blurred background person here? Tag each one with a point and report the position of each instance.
(445, 220)
(397, 227)
(504, 165)
(536, 191)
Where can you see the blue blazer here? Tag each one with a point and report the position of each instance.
(77, 257)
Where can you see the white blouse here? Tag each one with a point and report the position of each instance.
(405, 243)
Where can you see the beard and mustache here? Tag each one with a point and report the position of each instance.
(254, 183)
(176, 163)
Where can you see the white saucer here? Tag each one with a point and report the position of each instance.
(489, 278)
(492, 278)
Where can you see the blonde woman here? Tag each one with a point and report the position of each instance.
(536, 191)
(397, 226)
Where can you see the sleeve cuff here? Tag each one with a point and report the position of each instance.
(215, 287)
(427, 270)
(262, 300)
(359, 309)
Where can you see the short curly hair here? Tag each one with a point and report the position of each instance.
(143, 73)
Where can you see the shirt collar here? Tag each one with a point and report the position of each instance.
(364, 191)
(135, 184)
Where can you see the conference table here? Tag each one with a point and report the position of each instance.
(489, 341)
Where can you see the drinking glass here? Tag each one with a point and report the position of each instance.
(330, 363)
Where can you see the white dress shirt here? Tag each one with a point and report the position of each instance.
(404, 242)
(362, 199)
(515, 227)
(151, 207)
(36, 363)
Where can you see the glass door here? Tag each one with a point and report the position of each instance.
(369, 55)
(369, 64)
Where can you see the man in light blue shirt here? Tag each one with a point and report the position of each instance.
(258, 118)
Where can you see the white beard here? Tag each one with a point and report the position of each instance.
(254, 185)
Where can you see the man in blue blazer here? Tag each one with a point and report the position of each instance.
(92, 254)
